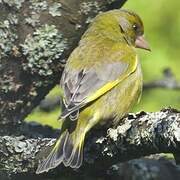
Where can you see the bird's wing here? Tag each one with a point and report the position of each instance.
(84, 86)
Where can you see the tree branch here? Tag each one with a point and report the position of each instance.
(154, 167)
(169, 81)
(137, 135)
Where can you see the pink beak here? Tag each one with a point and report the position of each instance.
(142, 43)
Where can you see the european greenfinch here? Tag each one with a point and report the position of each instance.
(101, 81)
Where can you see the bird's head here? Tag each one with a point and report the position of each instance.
(131, 26)
(121, 25)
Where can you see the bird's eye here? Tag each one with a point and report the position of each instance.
(135, 27)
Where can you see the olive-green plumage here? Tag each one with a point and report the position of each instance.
(101, 81)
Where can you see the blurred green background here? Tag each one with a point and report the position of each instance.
(162, 29)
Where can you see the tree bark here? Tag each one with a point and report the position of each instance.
(36, 38)
(137, 135)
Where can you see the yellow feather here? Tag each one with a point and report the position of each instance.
(112, 84)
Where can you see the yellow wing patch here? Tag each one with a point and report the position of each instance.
(107, 87)
(102, 90)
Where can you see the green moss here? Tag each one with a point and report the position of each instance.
(13, 19)
(45, 46)
(87, 7)
(16, 149)
(33, 20)
(13, 3)
(38, 5)
(7, 84)
(7, 38)
(55, 9)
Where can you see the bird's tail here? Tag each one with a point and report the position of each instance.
(68, 149)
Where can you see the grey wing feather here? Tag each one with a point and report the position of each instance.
(78, 85)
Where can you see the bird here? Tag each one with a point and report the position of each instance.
(101, 81)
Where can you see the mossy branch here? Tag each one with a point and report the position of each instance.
(137, 135)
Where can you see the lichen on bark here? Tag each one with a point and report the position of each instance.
(42, 49)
